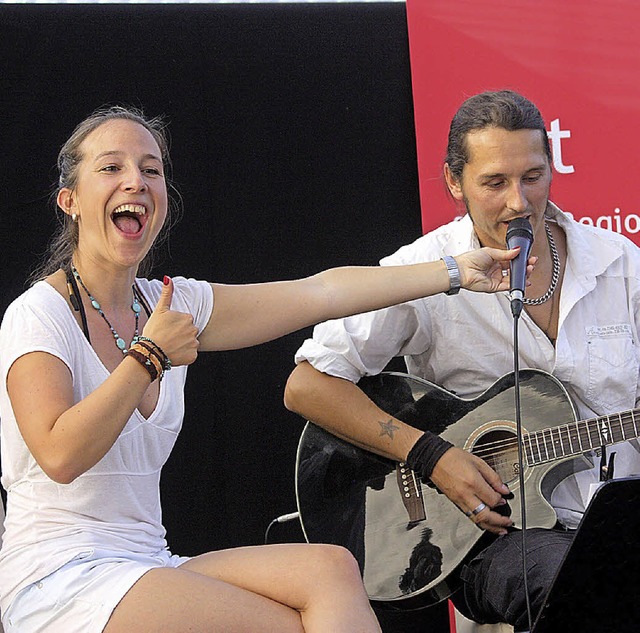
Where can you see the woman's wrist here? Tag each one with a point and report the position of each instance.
(154, 353)
(146, 360)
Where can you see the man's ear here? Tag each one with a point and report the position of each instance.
(66, 200)
(453, 184)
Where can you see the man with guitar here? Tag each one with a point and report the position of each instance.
(580, 325)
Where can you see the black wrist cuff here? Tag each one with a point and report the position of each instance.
(426, 452)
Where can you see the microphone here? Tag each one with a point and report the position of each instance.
(519, 233)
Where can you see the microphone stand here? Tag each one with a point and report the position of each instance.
(520, 233)
(516, 310)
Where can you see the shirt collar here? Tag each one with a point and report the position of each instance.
(588, 254)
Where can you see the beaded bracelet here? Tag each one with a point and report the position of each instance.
(145, 361)
(164, 359)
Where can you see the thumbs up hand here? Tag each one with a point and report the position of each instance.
(174, 332)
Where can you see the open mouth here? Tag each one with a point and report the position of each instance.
(129, 218)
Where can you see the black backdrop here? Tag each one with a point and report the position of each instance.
(294, 150)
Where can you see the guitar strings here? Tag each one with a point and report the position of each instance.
(499, 448)
(509, 441)
(495, 453)
(501, 445)
(539, 447)
(578, 436)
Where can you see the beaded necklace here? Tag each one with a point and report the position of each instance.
(555, 274)
(135, 307)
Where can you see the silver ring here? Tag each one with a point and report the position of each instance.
(477, 510)
(505, 272)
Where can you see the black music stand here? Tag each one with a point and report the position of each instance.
(596, 588)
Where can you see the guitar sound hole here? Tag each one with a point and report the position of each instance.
(499, 448)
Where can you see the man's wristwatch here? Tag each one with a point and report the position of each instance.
(454, 275)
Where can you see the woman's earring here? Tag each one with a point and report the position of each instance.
(74, 217)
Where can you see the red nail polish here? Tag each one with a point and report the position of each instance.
(166, 280)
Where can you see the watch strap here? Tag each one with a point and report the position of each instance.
(454, 275)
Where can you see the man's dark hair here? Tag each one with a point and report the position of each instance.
(504, 109)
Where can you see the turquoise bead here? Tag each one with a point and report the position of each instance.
(120, 343)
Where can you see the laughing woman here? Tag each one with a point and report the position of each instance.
(93, 363)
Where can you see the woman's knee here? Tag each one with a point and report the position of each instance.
(334, 561)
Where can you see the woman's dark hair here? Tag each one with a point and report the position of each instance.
(65, 239)
(502, 109)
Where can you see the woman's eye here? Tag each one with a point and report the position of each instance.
(109, 168)
(152, 170)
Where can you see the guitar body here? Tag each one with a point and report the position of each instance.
(408, 538)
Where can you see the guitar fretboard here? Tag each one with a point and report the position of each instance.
(578, 437)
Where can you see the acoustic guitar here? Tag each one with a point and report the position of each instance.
(408, 538)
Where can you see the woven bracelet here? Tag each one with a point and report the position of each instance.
(145, 361)
(151, 356)
(164, 359)
(153, 351)
(148, 349)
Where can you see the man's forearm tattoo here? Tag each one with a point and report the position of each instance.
(388, 428)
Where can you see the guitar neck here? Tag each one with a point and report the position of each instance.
(574, 438)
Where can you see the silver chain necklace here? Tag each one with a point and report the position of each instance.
(555, 273)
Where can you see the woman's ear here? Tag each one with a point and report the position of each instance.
(66, 201)
(453, 184)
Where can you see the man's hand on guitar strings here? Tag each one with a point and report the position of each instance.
(469, 482)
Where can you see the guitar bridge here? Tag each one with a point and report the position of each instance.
(411, 493)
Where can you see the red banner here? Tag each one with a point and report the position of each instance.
(578, 61)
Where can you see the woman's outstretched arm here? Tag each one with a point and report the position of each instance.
(246, 315)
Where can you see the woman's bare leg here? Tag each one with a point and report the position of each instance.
(322, 582)
(180, 601)
(285, 588)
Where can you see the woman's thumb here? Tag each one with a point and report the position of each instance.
(164, 302)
